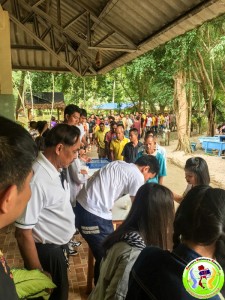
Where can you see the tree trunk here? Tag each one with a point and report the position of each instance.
(162, 108)
(181, 111)
(20, 93)
(211, 116)
(208, 92)
(189, 101)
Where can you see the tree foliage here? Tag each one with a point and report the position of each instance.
(148, 81)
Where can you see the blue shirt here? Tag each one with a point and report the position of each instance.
(162, 167)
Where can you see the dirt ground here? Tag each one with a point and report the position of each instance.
(175, 179)
(215, 163)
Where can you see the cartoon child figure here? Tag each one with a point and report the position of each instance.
(204, 273)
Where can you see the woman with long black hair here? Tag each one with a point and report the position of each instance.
(199, 231)
(149, 222)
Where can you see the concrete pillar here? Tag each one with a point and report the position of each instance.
(7, 101)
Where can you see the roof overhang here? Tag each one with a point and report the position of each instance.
(89, 37)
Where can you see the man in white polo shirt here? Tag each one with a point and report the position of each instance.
(47, 224)
(96, 199)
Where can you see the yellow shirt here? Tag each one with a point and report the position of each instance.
(117, 147)
(153, 121)
(144, 116)
(100, 137)
(162, 119)
(96, 128)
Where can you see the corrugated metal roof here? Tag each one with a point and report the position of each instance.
(65, 35)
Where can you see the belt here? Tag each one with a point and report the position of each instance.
(51, 245)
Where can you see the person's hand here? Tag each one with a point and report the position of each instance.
(83, 172)
(49, 291)
(81, 152)
(85, 158)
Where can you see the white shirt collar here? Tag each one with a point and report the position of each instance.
(47, 165)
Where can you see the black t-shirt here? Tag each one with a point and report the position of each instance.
(130, 152)
(7, 286)
(157, 275)
(91, 125)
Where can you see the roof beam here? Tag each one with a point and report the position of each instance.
(46, 17)
(2, 2)
(122, 35)
(71, 22)
(43, 44)
(36, 26)
(45, 33)
(52, 39)
(60, 48)
(111, 48)
(48, 6)
(38, 3)
(74, 59)
(26, 47)
(40, 68)
(27, 18)
(59, 12)
(16, 8)
(109, 5)
(88, 29)
(84, 60)
(103, 38)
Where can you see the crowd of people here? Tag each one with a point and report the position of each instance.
(91, 124)
(143, 258)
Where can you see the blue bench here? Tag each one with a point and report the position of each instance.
(209, 138)
(98, 163)
(193, 146)
(208, 145)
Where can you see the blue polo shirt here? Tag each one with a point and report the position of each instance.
(162, 167)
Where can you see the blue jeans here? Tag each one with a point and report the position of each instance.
(94, 230)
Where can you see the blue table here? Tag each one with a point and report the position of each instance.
(213, 145)
(209, 138)
(221, 137)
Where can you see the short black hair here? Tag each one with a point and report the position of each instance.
(150, 161)
(70, 109)
(40, 126)
(33, 124)
(150, 133)
(120, 124)
(134, 130)
(83, 112)
(17, 154)
(112, 123)
(111, 118)
(62, 133)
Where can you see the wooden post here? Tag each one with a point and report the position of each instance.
(7, 102)
(29, 113)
